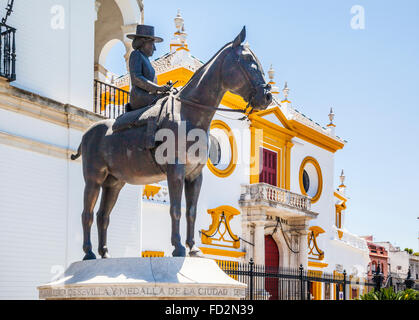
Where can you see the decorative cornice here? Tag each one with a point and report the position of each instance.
(35, 146)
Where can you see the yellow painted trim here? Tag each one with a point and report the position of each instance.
(316, 230)
(339, 208)
(288, 165)
(182, 75)
(312, 243)
(278, 113)
(340, 197)
(315, 137)
(316, 264)
(216, 215)
(233, 101)
(317, 286)
(152, 254)
(258, 121)
(218, 124)
(150, 191)
(222, 252)
(319, 174)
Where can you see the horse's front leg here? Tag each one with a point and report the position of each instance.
(175, 180)
(192, 190)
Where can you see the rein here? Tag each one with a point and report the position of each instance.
(203, 106)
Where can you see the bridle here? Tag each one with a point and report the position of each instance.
(252, 94)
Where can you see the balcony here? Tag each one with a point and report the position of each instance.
(276, 201)
(7, 52)
(109, 101)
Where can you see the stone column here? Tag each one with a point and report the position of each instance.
(259, 241)
(303, 257)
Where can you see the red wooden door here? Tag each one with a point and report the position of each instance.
(269, 167)
(271, 265)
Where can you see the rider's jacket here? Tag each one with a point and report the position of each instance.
(143, 81)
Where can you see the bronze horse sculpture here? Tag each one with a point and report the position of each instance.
(112, 159)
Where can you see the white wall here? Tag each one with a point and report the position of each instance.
(32, 220)
(55, 63)
(41, 201)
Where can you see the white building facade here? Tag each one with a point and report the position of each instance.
(272, 196)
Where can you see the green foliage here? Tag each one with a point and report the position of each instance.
(409, 251)
(389, 294)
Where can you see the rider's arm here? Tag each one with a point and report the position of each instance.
(137, 78)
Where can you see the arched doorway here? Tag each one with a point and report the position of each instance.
(271, 265)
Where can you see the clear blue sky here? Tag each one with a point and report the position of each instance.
(370, 77)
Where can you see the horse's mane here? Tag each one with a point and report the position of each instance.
(203, 67)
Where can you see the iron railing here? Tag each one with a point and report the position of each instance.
(7, 52)
(278, 283)
(109, 100)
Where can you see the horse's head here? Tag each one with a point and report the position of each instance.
(243, 74)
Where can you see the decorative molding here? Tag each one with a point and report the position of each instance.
(316, 264)
(222, 252)
(35, 146)
(151, 191)
(152, 254)
(314, 250)
(220, 225)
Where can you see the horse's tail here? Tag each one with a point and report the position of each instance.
(76, 156)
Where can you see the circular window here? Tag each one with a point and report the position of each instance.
(311, 180)
(223, 150)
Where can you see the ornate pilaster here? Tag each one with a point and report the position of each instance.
(97, 7)
(259, 241)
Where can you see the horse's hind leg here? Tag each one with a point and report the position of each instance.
(192, 190)
(110, 192)
(91, 193)
(175, 181)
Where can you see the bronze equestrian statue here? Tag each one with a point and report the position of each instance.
(112, 158)
(144, 90)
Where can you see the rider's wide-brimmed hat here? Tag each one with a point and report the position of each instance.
(144, 31)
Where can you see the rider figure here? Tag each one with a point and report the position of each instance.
(144, 89)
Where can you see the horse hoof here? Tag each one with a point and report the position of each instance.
(179, 252)
(89, 256)
(196, 253)
(106, 256)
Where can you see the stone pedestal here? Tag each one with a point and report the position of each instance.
(144, 278)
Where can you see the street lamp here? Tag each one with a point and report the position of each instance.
(378, 278)
(409, 282)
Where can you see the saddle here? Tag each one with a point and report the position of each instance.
(149, 116)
